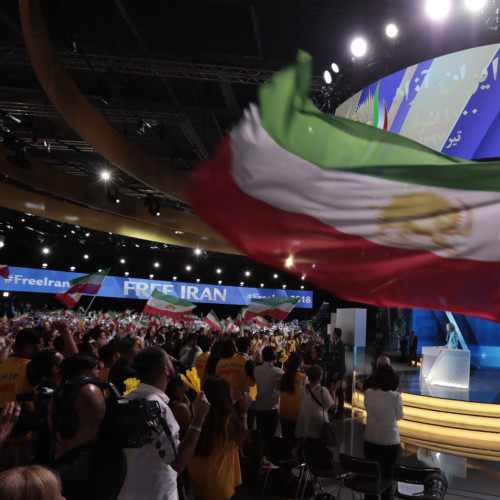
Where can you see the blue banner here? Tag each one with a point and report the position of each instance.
(22, 279)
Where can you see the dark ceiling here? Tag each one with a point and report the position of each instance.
(174, 76)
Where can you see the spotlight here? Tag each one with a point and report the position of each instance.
(262, 285)
(1, 244)
(335, 68)
(151, 276)
(45, 250)
(86, 256)
(105, 175)
(218, 271)
(247, 273)
(44, 265)
(359, 47)
(284, 286)
(126, 273)
(275, 276)
(142, 126)
(289, 262)
(302, 287)
(391, 30)
(175, 278)
(5, 294)
(122, 261)
(303, 277)
(72, 268)
(197, 280)
(241, 283)
(197, 251)
(437, 10)
(327, 77)
(220, 282)
(188, 268)
(157, 264)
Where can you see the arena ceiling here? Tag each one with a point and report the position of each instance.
(145, 90)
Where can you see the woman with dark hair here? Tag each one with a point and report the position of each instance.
(179, 403)
(315, 401)
(214, 470)
(291, 382)
(213, 359)
(384, 407)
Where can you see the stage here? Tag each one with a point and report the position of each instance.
(464, 422)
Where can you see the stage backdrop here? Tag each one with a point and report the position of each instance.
(450, 103)
(24, 279)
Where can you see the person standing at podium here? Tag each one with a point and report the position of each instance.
(451, 337)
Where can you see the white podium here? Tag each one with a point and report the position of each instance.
(446, 367)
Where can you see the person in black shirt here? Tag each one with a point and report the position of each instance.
(123, 368)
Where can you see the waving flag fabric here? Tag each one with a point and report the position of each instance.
(161, 305)
(261, 321)
(275, 307)
(4, 271)
(365, 214)
(213, 321)
(89, 284)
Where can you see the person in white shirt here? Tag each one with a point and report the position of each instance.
(152, 470)
(384, 408)
(267, 402)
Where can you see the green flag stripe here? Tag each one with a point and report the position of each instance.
(331, 142)
(170, 299)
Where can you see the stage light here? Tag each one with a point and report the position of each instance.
(359, 47)
(157, 264)
(247, 273)
(289, 262)
(45, 250)
(44, 265)
(112, 193)
(303, 277)
(241, 283)
(5, 294)
(1, 244)
(86, 256)
(391, 30)
(197, 280)
(437, 10)
(122, 261)
(105, 176)
(284, 286)
(302, 287)
(72, 268)
(126, 273)
(218, 271)
(220, 282)
(87, 234)
(175, 278)
(188, 268)
(327, 77)
(197, 251)
(335, 67)
(178, 232)
(262, 285)
(142, 125)
(474, 5)
(153, 206)
(151, 276)
(275, 276)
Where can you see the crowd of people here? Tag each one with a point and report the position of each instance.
(53, 372)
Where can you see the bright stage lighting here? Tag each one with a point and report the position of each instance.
(335, 68)
(437, 9)
(474, 5)
(358, 47)
(327, 77)
(391, 30)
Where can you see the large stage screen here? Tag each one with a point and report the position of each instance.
(449, 103)
(22, 279)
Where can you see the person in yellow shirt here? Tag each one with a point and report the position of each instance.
(200, 363)
(236, 367)
(291, 382)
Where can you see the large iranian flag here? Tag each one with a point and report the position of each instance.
(366, 214)
(89, 285)
(213, 321)
(275, 307)
(161, 305)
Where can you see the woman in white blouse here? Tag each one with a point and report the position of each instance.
(384, 408)
(315, 401)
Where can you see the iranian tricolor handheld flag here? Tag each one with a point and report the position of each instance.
(21, 317)
(69, 315)
(229, 325)
(275, 307)
(261, 321)
(240, 318)
(310, 331)
(213, 321)
(167, 305)
(155, 320)
(56, 312)
(4, 271)
(365, 214)
(140, 322)
(89, 285)
(190, 317)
